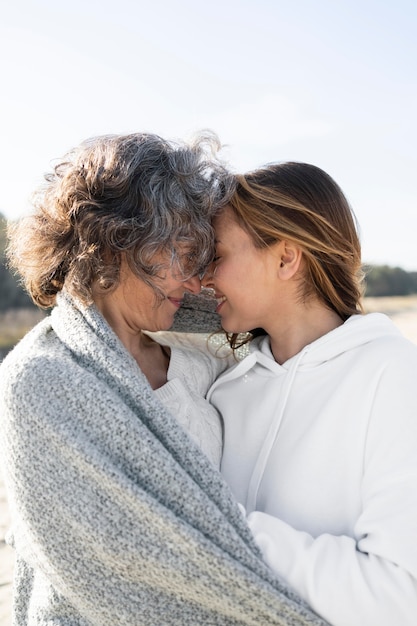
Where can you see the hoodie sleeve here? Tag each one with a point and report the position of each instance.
(343, 584)
(370, 578)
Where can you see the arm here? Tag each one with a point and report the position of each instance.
(340, 581)
(370, 577)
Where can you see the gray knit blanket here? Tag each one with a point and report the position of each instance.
(117, 516)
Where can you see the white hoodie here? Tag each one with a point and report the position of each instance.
(322, 453)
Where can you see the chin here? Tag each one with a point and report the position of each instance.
(168, 324)
(162, 324)
(235, 328)
(229, 328)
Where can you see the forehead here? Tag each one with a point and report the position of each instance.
(225, 220)
(228, 229)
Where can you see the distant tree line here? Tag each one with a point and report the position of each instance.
(381, 280)
(12, 294)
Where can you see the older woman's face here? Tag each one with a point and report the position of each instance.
(134, 305)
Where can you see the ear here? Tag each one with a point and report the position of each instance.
(289, 259)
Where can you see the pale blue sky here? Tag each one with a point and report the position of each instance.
(329, 82)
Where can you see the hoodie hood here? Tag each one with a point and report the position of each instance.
(356, 331)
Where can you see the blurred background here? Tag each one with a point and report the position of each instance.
(330, 82)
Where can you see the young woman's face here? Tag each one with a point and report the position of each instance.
(243, 277)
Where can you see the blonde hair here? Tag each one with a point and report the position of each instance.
(301, 203)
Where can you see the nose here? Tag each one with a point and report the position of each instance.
(208, 279)
(193, 284)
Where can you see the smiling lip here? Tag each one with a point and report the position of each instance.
(220, 300)
(176, 302)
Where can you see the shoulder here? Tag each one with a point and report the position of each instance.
(211, 346)
(38, 375)
(376, 338)
(36, 346)
(197, 359)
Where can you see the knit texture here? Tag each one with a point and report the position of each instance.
(195, 363)
(197, 314)
(117, 516)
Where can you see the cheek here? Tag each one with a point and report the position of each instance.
(232, 272)
(223, 273)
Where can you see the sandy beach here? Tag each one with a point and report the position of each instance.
(403, 312)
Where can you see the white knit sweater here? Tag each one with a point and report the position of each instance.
(196, 361)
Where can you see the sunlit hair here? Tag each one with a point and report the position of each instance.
(300, 203)
(137, 196)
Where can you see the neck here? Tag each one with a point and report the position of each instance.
(300, 329)
(153, 359)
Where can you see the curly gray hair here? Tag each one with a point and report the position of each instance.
(135, 195)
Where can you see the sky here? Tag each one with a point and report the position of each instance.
(328, 82)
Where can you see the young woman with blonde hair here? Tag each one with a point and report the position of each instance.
(320, 419)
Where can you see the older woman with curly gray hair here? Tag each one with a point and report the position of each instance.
(119, 515)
